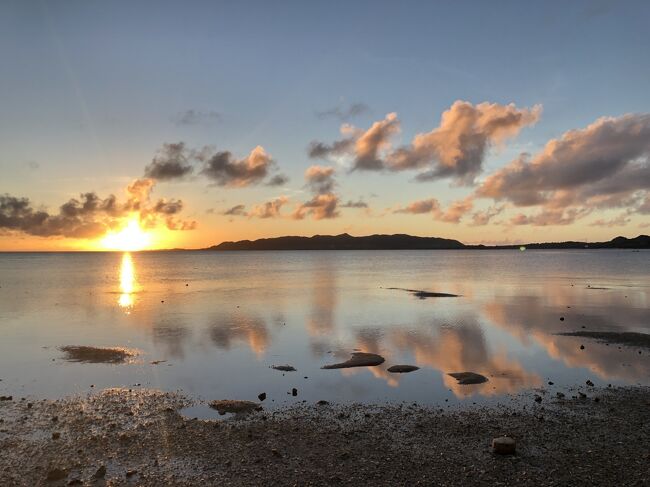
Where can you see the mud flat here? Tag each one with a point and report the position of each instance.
(628, 338)
(122, 437)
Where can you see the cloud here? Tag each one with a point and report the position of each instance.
(619, 221)
(551, 217)
(455, 149)
(196, 117)
(237, 210)
(320, 179)
(90, 216)
(173, 161)
(354, 204)
(269, 209)
(480, 218)
(420, 207)
(224, 170)
(586, 166)
(278, 180)
(344, 113)
(452, 214)
(320, 207)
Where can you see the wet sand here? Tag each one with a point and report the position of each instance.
(122, 437)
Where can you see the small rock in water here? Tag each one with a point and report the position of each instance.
(402, 369)
(358, 359)
(550, 383)
(561, 318)
(560, 395)
(467, 378)
(6, 398)
(538, 398)
(582, 347)
(284, 368)
(504, 445)
(322, 402)
(589, 383)
(294, 392)
(261, 396)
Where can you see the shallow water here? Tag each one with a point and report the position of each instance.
(216, 322)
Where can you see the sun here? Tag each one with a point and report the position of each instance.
(130, 238)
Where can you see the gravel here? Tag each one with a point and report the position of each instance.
(138, 438)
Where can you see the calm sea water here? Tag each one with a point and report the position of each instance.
(220, 320)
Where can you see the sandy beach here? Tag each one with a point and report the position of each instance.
(129, 437)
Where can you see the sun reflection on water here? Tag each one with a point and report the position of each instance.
(127, 283)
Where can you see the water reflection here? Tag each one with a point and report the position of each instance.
(127, 283)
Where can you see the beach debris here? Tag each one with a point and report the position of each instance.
(402, 369)
(504, 445)
(284, 368)
(424, 294)
(358, 359)
(97, 355)
(233, 406)
(467, 378)
(261, 396)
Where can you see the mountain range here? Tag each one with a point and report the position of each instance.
(345, 241)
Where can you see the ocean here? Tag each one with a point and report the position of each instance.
(211, 324)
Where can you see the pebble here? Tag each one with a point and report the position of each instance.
(504, 445)
(261, 396)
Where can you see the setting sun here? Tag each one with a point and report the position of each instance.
(130, 238)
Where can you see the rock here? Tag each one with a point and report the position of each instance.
(261, 396)
(100, 473)
(322, 402)
(467, 378)
(550, 383)
(294, 392)
(6, 398)
(538, 398)
(504, 445)
(402, 369)
(275, 452)
(561, 318)
(56, 435)
(233, 406)
(131, 473)
(589, 383)
(560, 395)
(284, 368)
(75, 482)
(96, 355)
(56, 474)
(582, 347)
(358, 359)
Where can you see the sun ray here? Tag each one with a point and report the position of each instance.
(130, 239)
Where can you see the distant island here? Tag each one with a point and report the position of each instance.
(410, 242)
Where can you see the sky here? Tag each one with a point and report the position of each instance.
(487, 122)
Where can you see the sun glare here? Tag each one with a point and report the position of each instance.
(130, 238)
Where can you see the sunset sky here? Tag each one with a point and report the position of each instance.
(199, 122)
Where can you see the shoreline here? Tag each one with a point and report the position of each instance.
(122, 437)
